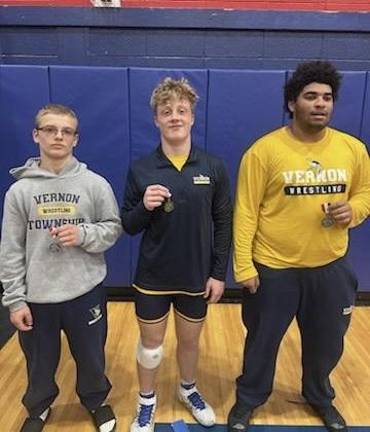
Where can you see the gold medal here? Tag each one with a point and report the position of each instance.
(55, 247)
(327, 221)
(168, 205)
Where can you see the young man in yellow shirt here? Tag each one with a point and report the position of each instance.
(300, 188)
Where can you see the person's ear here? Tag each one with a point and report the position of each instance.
(35, 136)
(291, 106)
(75, 141)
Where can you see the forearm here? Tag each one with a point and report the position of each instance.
(360, 191)
(136, 219)
(360, 210)
(99, 237)
(244, 268)
(13, 255)
(14, 303)
(249, 195)
(222, 244)
(244, 229)
(13, 281)
(222, 224)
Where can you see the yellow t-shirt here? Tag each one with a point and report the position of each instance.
(178, 161)
(282, 185)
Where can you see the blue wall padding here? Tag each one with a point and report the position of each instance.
(100, 97)
(237, 115)
(348, 111)
(365, 130)
(242, 105)
(22, 90)
(116, 125)
(359, 245)
(359, 254)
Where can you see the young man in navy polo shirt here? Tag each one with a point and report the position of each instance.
(179, 197)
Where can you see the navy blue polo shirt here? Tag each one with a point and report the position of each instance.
(182, 248)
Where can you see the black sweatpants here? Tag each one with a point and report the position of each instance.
(84, 321)
(321, 299)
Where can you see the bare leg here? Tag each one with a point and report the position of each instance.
(188, 334)
(152, 336)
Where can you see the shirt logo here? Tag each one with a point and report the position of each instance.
(201, 180)
(61, 209)
(314, 166)
(315, 180)
(96, 314)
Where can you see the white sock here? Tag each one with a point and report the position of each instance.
(44, 414)
(147, 395)
(107, 427)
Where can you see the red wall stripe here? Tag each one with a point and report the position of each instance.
(304, 5)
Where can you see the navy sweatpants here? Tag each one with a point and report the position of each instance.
(321, 299)
(84, 321)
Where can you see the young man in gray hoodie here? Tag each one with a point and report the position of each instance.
(59, 218)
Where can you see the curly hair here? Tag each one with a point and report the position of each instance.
(322, 72)
(170, 87)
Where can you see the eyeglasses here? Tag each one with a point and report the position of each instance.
(52, 131)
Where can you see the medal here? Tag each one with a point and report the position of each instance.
(327, 221)
(168, 205)
(55, 247)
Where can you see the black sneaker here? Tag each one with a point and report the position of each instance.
(331, 418)
(238, 419)
(36, 424)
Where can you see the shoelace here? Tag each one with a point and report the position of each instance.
(145, 414)
(197, 401)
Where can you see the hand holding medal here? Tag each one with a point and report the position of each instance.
(168, 205)
(55, 246)
(327, 220)
(339, 212)
(156, 195)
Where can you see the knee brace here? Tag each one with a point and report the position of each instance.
(149, 358)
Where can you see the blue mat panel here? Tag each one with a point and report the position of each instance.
(359, 256)
(348, 109)
(365, 131)
(100, 98)
(238, 115)
(23, 90)
(166, 427)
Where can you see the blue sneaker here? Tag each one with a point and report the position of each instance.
(201, 411)
(144, 420)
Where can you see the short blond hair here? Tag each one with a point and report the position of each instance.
(54, 109)
(168, 88)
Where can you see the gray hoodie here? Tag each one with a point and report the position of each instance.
(34, 267)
